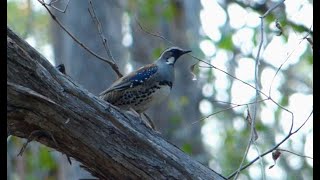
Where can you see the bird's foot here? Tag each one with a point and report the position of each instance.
(150, 122)
(142, 120)
(134, 113)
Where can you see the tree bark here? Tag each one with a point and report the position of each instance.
(111, 144)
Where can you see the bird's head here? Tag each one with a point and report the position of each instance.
(170, 55)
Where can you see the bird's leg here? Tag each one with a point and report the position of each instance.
(135, 113)
(150, 121)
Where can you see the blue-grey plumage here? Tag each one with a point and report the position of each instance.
(146, 86)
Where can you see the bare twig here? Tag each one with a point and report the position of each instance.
(271, 9)
(308, 38)
(249, 119)
(54, 7)
(305, 37)
(272, 149)
(303, 123)
(153, 34)
(261, 161)
(284, 150)
(257, 62)
(232, 107)
(113, 65)
(100, 31)
(214, 67)
(37, 134)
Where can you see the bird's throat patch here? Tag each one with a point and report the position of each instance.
(170, 60)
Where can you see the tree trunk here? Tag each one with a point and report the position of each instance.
(109, 143)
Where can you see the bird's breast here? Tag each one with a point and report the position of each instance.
(151, 95)
(140, 98)
(161, 93)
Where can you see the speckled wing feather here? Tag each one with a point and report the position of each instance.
(131, 80)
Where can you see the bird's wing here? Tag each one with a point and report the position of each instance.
(133, 79)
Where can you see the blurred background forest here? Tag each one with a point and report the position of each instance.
(224, 33)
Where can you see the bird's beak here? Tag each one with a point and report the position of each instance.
(186, 51)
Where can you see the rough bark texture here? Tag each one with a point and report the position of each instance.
(111, 144)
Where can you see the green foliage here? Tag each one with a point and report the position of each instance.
(184, 101)
(308, 56)
(148, 10)
(153, 11)
(261, 127)
(226, 43)
(284, 101)
(210, 75)
(170, 11)
(46, 159)
(27, 22)
(156, 52)
(175, 120)
(233, 150)
(17, 17)
(187, 148)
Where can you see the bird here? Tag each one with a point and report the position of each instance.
(147, 86)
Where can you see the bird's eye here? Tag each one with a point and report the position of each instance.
(168, 55)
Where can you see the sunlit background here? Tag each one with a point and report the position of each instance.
(228, 38)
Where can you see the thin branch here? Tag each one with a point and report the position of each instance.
(308, 38)
(152, 34)
(54, 7)
(291, 113)
(256, 84)
(212, 66)
(284, 150)
(261, 161)
(113, 65)
(100, 31)
(303, 123)
(232, 107)
(271, 9)
(272, 149)
(287, 58)
(253, 126)
(256, 100)
(34, 135)
(257, 89)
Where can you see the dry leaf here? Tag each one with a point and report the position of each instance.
(275, 155)
(192, 68)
